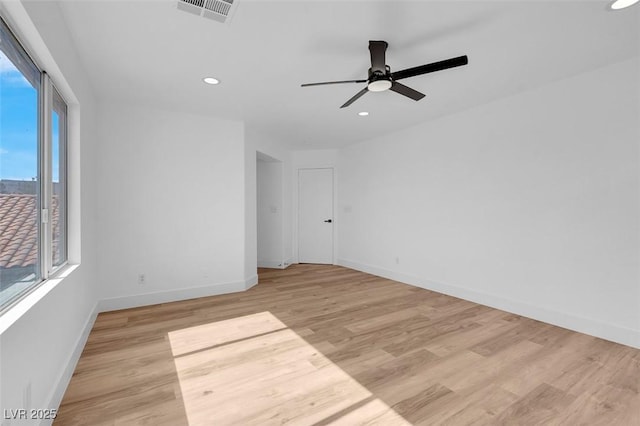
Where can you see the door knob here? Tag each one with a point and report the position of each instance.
(328, 221)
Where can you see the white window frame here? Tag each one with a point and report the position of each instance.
(63, 203)
(44, 194)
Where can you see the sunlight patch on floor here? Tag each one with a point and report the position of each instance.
(221, 332)
(253, 370)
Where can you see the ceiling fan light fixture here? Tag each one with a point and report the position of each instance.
(363, 113)
(379, 85)
(622, 4)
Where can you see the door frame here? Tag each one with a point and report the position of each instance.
(334, 235)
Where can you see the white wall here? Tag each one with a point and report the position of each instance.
(41, 347)
(530, 204)
(171, 205)
(269, 214)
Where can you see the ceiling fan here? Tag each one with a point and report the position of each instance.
(381, 78)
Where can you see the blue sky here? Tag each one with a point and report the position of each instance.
(18, 126)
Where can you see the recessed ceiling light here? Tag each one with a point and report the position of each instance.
(621, 4)
(211, 80)
(363, 113)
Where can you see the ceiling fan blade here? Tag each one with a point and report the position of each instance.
(355, 98)
(333, 82)
(377, 48)
(406, 91)
(433, 67)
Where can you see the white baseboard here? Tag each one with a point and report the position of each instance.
(274, 264)
(289, 262)
(580, 324)
(250, 282)
(63, 381)
(135, 301)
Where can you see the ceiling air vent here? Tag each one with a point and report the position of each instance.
(218, 10)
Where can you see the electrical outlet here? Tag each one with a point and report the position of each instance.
(142, 279)
(397, 260)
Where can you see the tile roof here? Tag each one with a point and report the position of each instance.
(19, 230)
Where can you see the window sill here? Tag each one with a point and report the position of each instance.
(15, 312)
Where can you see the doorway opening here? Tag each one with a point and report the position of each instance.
(269, 214)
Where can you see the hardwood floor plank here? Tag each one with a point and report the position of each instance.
(604, 406)
(539, 406)
(395, 369)
(491, 368)
(478, 406)
(417, 406)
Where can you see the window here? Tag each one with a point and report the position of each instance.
(33, 195)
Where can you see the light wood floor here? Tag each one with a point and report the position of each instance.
(319, 345)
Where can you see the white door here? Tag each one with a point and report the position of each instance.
(315, 216)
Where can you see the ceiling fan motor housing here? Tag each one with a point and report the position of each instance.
(378, 75)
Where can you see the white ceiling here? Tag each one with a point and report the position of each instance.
(150, 53)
